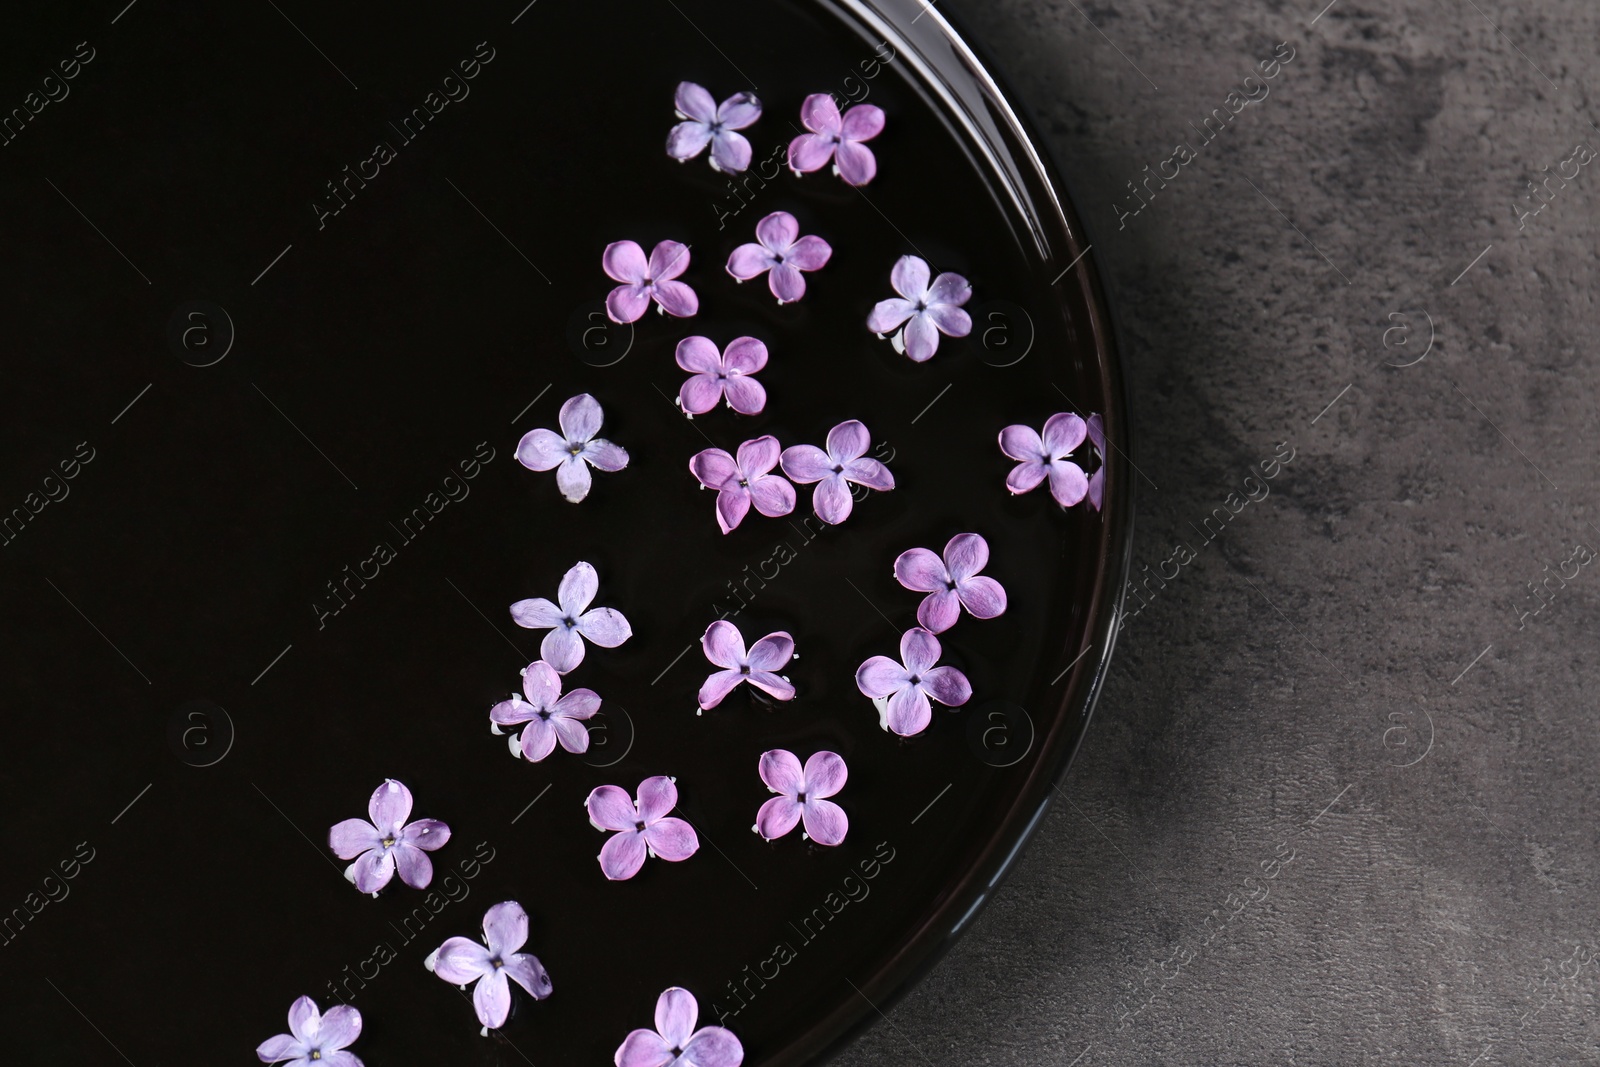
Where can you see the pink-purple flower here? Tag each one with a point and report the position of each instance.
(1047, 456)
(780, 249)
(926, 308)
(836, 138)
(845, 461)
(952, 583)
(314, 1039)
(744, 481)
(724, 375)
(723, 645)
(900, 691)
(707, 122)
(461, 961)
(574, 450)
(675, 1042)
(646, 280)
(802, 794)
(1094, 426)
(550, 716)
(572, 621)
(388, 842)
(642, 827)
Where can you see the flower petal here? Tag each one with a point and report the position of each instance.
(777, 817)
(919, 650)
(578, 704)
(825, 774)
(745, 395)
(849, 440)
(562, 649)
(352, 837)
(820, 114)
(536, 614)
(578, 587)
(759, 455)
(573, 479)
(606, 627)
(491, 999)
(739, 111)
(826, 822)
(713, 468)
(305, 1021)
(1067, 483)
(939, 611)
(695, 102)
(280, 1047)
(541, 685)
(671, 839)
(887, 314)
(810, 151)
(1063, 432)
(1021, 443)
(786, 283)
(668, 259)
(950, 321)
(713, 1046)
(622, 855)
(966, 554)
(771, 684)
(730, 152)
(1097, 488)
(947, 685)
(526, 970)
(780, 770)
(921, 338)
(733, 504)
(698, 355)
(772, 496)
(862, 123)
(1026, 476)
(909, 276)
(771, 652)
(909, 711)
(700, 393)
(778, 231)
(920, 570)
(949, 288)
(611, 808)
(744, 355)
(677, 299)
(676, 1013)
(341, 1025)
(984, 597)
(603, 455)
(1095, 427)
(809, 253)
(538, 740)
(390, 806)
(339, 1058)
(806, 463)
(880, 676)
(644, 1048)
(426, 834)
(749, 261)
(627, 303)
(570, 731)
(372, 870)
(831, 500)
(624, 261)
(688, 139)
(716, 687)
(461, 960)
(505, 928)
(657, 796)
(723, 644)
(416, 869)
(540, 450)
(870, 473)
(857, 165)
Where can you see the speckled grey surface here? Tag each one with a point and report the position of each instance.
(1338, 803)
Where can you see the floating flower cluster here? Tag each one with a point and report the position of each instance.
(923, 310)
(388, 843)
(675, 1042)
(802, 796)
(642, 827)
(574, 450)
(550, 716)
(723, 645)
(707, 122)
(571, 621)
(462, 962)
(314, 1039)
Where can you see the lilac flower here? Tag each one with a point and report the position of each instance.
(388, 842)
(574, 450)
(723, 645)
(1095, 428)
(461, 961)
(642, 828)
(837, 139)
(744, 481)
(569, 623)
(550, 716)
(1047, 457)
(645, 281)
(781, 250)
(951, 583)
(725, 375)
(801, 796)
(314, 1039)
(707, 122)
(843, 462)
(927, 310)
(901, 692)
(675, 1042)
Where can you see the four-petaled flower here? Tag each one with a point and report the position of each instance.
(781, 250)
(744, 481)
(675, 1042)
(707, 122)
(550, 716)
(1094, 426)
(723, 645)
(901, 690)
(461, 960)
(1044, 457)
(801, 795)
(931, 309)
(569, 623)
(715, 376)
(574, 450)
(837, 139)
(643, 281)
(641, 828)
(843, 462)
(388, 842)
(951, 583)
(314, 1039)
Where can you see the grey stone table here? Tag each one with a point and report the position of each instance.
(1338, 804)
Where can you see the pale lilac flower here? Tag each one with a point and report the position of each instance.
(724, 375)
(926, 309)
(837, 139)
(845, 461)
(952, 583)
(642, 828)
(801, 795)
(744, 481)
(707, 122)
(461, 960)
(1095, 427)
(644, 281)
(781, 250)
(388, 842)
(550, 716)
(569, 623)
(574, 450)
(901, 690)
(723, 645)
(1047, 457)
(314, 1039)
(675, 1042)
